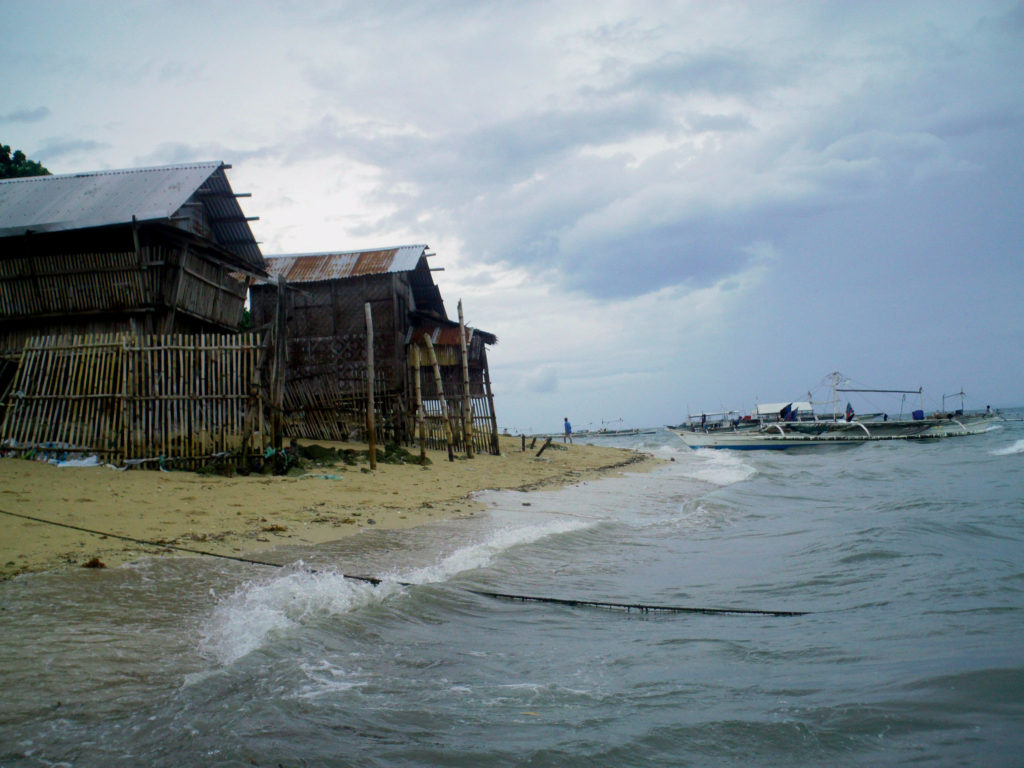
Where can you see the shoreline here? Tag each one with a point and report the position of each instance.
(244, 515)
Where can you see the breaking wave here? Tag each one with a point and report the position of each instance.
(1017, 447)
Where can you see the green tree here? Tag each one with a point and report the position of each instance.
(12, 166)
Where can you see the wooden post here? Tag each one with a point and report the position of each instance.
(125, 366)
(495, 445)
(278, 372)
(467, 413)
(143, 267)
(419, 402)
(371, 428)
(440, 394)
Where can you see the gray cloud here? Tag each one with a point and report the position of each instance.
(26, 115)
(177, 152)
(704, 123)
(868, 154)
(57, 148)
(542, 380)
(719, 72)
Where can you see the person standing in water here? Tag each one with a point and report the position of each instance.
(567, 438)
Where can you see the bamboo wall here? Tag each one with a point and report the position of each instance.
(104, 281)
(136, 399)
(336, 410)
(325, 387)
(484, 426)
(327, 327)
(199, 287)
(70, 283)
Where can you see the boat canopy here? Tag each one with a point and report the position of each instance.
(773, 409)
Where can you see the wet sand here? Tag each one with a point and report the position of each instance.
(242, 516)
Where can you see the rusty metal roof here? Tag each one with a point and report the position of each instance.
(440, 335)
(446, 333)
(314, 267)
(102, 198)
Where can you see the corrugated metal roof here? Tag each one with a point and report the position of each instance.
(445, 334)
(314, 267)
(103, 198)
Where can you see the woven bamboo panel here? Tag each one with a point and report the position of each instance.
(179, 399)
(327, 408)
(66, 284)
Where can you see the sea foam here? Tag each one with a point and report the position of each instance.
(480, 554)
(718, 467)
(1017, 447)
(241, 622)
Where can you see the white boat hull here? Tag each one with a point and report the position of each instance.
(753, 440)
(783, 436)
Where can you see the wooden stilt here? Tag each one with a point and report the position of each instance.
(278, 369)
(371, 429)
(495, 445)
(420, 425)
(440, 395)
(467, 414)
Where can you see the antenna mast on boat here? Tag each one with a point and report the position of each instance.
(961, 394)
(835, 395)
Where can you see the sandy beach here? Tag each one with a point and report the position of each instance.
(242, 516)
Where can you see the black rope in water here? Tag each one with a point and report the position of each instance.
(641, 607)
(628, 607)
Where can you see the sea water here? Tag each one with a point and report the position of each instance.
(908, 559)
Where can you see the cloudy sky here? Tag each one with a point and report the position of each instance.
(656, 206)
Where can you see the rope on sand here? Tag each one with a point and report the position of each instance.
(148, 543)
(628, 607)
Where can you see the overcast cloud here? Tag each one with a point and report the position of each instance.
(654, 205)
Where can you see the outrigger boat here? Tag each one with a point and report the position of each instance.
(795, 425)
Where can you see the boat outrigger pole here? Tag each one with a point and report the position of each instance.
(918, 391)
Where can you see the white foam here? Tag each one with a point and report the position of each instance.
(241, 622)
(480, 554)
(1017, 447)
(718, 467)
(324, 679)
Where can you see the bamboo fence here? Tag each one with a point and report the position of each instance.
(322, 409)
(318, 409)
(136, 399)
(447, 402)
(434, 419)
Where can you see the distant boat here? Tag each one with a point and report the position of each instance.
(620, 432)
(811, 434)
(794, 425)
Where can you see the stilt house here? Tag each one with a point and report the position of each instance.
(121, 297)
(152, 250)
(319, 302)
